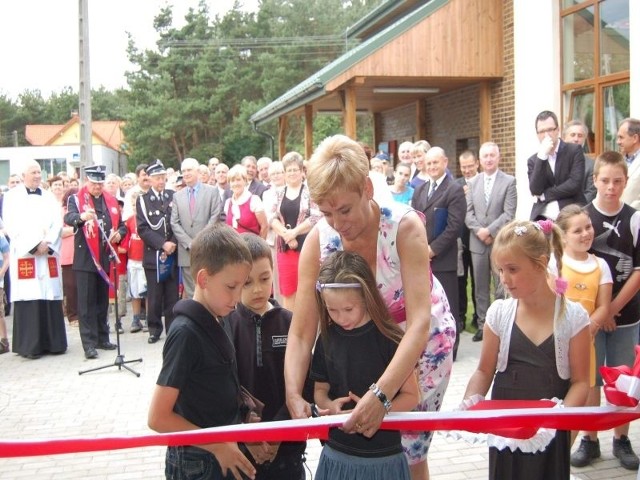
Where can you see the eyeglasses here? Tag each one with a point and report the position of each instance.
(547, 130)
(292, 170)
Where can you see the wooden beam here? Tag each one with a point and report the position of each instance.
(485, 112)
(377, 131)
(283, 126)
(421, 119)
(308, 131)
(349, 112)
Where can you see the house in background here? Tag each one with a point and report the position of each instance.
(459, 73)
(57, 148)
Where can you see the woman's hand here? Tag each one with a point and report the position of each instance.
(289, 235)
(367, 417)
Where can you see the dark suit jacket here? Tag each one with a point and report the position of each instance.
(589, 188)
(155, 210)
(449, 195)
(82, 260)
(464, 236)
(565, 185)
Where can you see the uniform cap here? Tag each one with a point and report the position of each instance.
(156, 168)
(95, 173)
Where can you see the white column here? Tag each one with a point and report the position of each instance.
(634, 45)
(537, 47)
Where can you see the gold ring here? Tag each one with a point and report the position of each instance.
(358, 426)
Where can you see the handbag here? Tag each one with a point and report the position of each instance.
(250, 407)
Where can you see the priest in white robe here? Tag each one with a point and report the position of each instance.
(32, 219)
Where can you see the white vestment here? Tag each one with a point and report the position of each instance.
(30, 219)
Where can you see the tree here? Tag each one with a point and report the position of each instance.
(193, 95)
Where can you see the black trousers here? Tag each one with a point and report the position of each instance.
(161, 297)
(93, 309)
(463, 301)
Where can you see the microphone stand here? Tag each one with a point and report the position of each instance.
(119, 362)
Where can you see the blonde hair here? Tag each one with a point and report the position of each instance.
(237, 171)
(344, 267)
(421, 146)
(338, 164)
(529, 239)
(567, 213)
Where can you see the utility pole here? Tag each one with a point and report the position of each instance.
(86, 131)
(14, 135)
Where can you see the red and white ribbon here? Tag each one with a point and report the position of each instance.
(497, 417)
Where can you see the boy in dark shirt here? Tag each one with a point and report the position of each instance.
(197, 386)
(615, 226)
(258, 328)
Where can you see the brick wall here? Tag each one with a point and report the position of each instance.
(503, 99)
(453, 118)
(399, 124)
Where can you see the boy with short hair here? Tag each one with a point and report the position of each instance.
(258, 328)
(198, 386)
(615, 226)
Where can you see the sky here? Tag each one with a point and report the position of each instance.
(39, 40)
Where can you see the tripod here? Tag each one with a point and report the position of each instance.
(119, 362)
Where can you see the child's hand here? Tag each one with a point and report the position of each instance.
(335, 406)
(261, 451)
(609, 324)
(231, 459)
(275, 446)
(354, 398)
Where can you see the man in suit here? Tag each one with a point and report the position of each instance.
(442, 201)
(221, 172)
(491, 204)
(556, 172)
(153, 216)
(194, 207)
(629, 144)
(97, 215)
(576, 132)
(469, 167)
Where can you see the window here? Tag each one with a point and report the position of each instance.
(595, 67)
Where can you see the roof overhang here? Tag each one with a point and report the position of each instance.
(423, 50)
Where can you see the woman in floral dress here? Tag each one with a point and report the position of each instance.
(392, 238)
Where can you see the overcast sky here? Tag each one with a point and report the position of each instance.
(39, 40)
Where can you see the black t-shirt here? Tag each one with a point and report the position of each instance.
(616, 241)
(199, 360)
(261, 342)
(352, 361)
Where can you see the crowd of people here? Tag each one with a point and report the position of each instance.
(241, 267)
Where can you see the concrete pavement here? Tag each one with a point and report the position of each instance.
(46, 398)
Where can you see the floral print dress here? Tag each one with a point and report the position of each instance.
(436, 361)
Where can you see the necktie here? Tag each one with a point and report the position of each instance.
(37, 191)
(432, 189)
(487, 189)
(192, 200)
